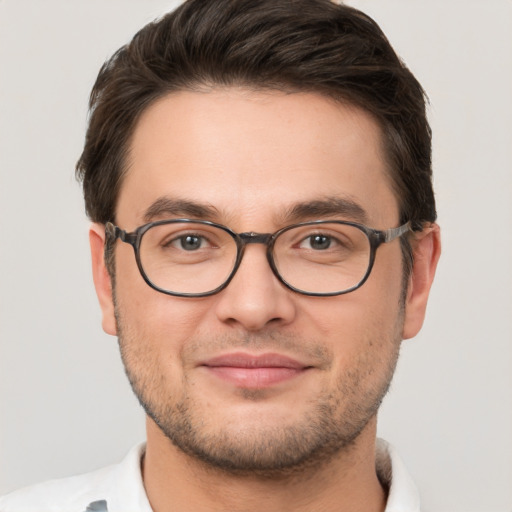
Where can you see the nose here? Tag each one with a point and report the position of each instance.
(255, 298)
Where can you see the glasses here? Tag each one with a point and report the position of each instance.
(197, 258)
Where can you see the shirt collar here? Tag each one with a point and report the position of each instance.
(402, 492)
(127, 491)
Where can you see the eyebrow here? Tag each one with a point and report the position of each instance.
(334, 206)
(170, 207)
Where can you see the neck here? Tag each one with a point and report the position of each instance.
(347, 482)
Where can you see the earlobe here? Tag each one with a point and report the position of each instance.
(101, 277)
(426, 251)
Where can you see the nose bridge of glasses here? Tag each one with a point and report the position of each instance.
(251, 237)
(255, 238)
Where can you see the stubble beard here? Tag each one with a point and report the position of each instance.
(333, 424)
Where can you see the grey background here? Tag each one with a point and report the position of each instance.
(65, 405)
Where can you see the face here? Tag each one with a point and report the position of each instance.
(256, 377)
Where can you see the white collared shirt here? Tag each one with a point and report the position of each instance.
(119, 488)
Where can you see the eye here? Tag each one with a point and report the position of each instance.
(189, 242)
(317, 242)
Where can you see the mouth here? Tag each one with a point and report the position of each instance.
(254, 371)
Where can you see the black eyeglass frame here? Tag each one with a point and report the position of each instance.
(376, 238)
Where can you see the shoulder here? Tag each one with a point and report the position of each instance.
(75, 494)
(66, 494)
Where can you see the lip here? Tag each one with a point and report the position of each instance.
(254, 371)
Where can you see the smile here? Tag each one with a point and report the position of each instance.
(254, 371)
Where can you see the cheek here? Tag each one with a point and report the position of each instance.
(152, 317)
(365, 324)
(157, 318)
(354, 316)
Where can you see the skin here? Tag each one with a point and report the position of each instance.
(307, 442)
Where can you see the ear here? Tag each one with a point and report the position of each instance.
(426, 247)
(101, 277)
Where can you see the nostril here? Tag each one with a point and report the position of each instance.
(254, 302)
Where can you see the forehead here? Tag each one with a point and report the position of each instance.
(250, 156)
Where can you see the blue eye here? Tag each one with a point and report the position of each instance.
(174, 238)
(319, 242)
(190, 242)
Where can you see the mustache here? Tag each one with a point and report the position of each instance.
(273, 341)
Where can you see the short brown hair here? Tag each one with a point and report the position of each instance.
(289, 45)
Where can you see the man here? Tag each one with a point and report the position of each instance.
(269, 164)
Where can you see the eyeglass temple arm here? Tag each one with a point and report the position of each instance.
(392, 233)
(113, 232)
